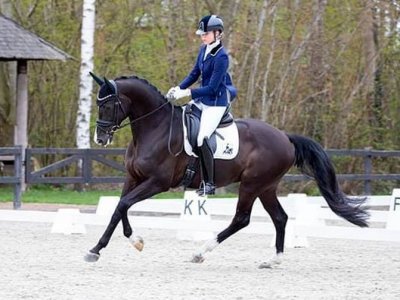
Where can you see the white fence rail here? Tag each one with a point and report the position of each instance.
(308, 217)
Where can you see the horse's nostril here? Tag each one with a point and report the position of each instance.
(99, 141)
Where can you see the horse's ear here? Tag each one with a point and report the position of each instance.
(99, 81)
(110, 86)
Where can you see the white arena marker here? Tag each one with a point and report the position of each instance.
(307, 214)
(295, 238)
(393, 221)
(194, 217)
(106, 206)
(395, 202)
(67, 221)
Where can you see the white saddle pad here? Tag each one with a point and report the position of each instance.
(227, 142)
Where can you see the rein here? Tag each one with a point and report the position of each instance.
(146, 115)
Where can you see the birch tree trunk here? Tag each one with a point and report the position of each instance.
(86, 83)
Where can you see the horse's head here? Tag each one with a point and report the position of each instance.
(111, 111)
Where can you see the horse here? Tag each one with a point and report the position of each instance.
(155, 163)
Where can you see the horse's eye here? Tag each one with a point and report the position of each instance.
(106, 111)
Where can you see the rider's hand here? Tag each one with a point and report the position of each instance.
(178, 93)
(171, 91)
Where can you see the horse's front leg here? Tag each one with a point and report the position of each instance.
(129, 184)
(136, 241)
(142, 191)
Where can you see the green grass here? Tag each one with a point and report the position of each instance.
(66, 196)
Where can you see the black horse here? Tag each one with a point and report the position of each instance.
(155, 162)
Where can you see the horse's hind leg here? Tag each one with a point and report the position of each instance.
(271, 204)
(240, 220)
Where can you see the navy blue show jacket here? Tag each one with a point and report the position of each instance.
(216, 88)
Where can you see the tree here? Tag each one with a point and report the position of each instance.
(251, 86)
(86, 83)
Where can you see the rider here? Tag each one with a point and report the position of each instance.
(213, 96)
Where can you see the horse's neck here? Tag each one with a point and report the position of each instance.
(149, 113)
(154, 123)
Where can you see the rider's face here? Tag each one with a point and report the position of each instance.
(207, 38)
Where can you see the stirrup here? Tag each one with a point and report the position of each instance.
(206, 189)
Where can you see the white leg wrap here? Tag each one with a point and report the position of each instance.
(198, 257)
(209, 246)
(273, 261)
(137, 242)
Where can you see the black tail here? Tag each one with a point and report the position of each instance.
(312, 160)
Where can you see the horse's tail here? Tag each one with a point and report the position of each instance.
(312, 160)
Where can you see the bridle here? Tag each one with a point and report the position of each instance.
(110, 127)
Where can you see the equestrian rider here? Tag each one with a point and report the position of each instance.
(212, 97)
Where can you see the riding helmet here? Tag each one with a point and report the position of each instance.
(210, 23)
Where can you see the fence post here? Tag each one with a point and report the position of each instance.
(17, 173)
(86, 166)
(367, 170)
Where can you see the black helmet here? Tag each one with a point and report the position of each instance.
(210, 23)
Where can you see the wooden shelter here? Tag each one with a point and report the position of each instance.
(21, 45)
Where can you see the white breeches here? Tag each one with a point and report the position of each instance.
(210, 118)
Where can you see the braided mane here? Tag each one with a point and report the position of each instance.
(145, 81)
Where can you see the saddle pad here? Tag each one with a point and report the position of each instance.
(227, 140)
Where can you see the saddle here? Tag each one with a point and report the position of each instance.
(192, 116)
(225, 147)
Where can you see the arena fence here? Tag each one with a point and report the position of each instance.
(82, 162)
(200, 219)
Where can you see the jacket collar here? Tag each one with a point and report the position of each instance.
(213, 52)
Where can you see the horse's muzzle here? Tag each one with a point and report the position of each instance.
(104, 139)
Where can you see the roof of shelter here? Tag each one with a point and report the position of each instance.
(18, 43)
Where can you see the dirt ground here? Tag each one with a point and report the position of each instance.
(36, 264)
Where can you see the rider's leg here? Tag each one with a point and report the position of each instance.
(210, 118)
(207, 166)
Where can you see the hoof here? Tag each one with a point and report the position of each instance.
(197, 258)
(265, 265)
(137, 242)
(91, 257)
(274, 261)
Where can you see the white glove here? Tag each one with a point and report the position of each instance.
(171, 91)
(178, 93)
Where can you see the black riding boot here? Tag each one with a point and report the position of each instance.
(207, 186)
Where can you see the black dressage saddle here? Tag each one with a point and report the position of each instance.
(192, 115)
